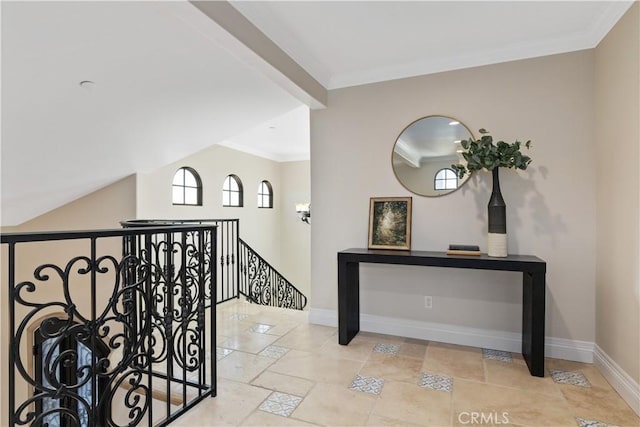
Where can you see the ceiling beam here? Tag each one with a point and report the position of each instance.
(252, 46)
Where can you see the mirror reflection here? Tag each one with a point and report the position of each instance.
(424, 152)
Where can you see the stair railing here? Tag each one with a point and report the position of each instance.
(227, 250)
(263, 284)
(104, 323)
(241, 270)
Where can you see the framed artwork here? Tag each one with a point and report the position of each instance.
(390, 223)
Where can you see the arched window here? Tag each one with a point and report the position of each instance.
(446, 179)
(265, 195)
(232, 191)
(187, 187)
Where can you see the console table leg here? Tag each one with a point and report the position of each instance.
(533, 308)
(348, 300)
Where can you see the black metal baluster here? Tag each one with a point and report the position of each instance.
(12, 327)
(236, 269)
(226, 238)
(148, 318)
(213, 274)
(168, 318)
(93, 413)
(185, 316)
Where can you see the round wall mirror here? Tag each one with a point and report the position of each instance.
(424, 152)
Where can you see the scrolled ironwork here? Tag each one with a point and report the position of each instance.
(264, 285)
(95, 361)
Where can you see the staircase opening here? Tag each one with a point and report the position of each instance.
(62, 358)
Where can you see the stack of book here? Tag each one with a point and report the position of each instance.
(463, 250)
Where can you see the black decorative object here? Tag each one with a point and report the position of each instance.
(533, 290)
(241, 271)
(484, 154)
(262, 284)
(497, 213)
(127, 320)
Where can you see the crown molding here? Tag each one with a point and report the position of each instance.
(575, 42)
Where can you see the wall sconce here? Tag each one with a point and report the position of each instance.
(304, 211)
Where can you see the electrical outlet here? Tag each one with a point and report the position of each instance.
(428, 303)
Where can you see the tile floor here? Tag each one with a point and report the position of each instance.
(276, 369)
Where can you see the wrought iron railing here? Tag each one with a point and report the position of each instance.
(110, 327)
(263, 284)
(242, 271)
(227, 233)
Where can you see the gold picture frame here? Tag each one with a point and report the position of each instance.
(390, 223)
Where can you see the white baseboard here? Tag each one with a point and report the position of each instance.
(559, 348)
(618, 378)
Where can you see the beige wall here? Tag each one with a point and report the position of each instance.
(101, 209)
(617, 92)
(258, 227)
(268, 231)
(104, 208)
(550, 207)
(295, 236)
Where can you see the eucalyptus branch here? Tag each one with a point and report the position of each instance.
(484, 154)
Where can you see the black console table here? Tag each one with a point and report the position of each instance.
(533, 293)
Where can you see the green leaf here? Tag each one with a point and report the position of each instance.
(483, 153)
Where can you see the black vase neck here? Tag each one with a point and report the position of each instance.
(496, 180)
(496, 207)
(496, 195)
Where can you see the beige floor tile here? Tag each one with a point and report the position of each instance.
(492, 419)
(416, 341)
(282, 327)
(519, 358)
(317, 368)
(320, 370)
(455, 361)
(283, 383)
(234, 402)
(564, 365)
(329, 404)
(274, 318)
(376, 420)
(249, 342)
(231, 328)
(596, 379)
(381, 338)
(517, 375)
(358, 349)
(242, 367)
(413, 349)
(261, 418)
(316, 330)
(307, 337)
(519, 406)
(221, 339)
(596, 403)
(412, 404)
(393, 368)
(592, 373)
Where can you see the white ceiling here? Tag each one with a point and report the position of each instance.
(347, 43)
(164, 90)
(283, 138)
(167, 85)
